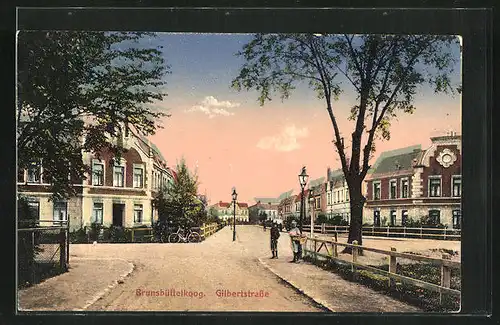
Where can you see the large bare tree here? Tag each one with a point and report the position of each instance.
(385, 71)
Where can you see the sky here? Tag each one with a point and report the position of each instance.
(230, 140)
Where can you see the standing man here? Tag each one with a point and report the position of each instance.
(296, 245)
(275, 234)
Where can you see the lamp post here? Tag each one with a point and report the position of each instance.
(302, 181)
(235, 196)
(312, 205)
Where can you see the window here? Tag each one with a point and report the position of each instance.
(404, 188)
(60, 211)
(456, 186)
(34, 208)
(434, 217)
(34, 173)
(392, 189)
(20, 175)
(118, 172)
(393, 217)
(138, 177)
(404, 217)
(318, 203)
(329, 198)
(376, 191)
(457, 215)
(434, 187)
(137, 213)
(376, 218)
(347, 195)
(97, 173)
(97, 213)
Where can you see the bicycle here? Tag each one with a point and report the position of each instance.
(192, 237)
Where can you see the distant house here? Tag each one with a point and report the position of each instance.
(317, 196)
(226, 211)
(411, 183)
(268, 208)
(337, 195)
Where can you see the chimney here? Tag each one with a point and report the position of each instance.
(328, 173)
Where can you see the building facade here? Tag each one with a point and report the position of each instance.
(226, 211)
(316, 197)
(412, 183)
(337, 195)
(268, 208)
(117, 192)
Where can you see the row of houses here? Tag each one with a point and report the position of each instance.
(118, 192)
(403, 184)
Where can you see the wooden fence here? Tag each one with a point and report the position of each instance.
(331, 248)
(205, 231)
(396, 232)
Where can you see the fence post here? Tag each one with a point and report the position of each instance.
(203, 231)
(132, 234)
(392, 268)
(67, 244)
(62, 249)
(388, 231)
(444, 233)
(315, 248)
(404, 232)
(354, 258)
(445, 276)
(335, 252)
(373, 230)
(33, 264)
(421, 232)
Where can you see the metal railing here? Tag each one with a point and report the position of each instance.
(42, 250)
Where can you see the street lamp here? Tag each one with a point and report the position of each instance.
(312, 206)
(235, 196)
(303, 181)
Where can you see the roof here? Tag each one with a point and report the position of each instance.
(395, 163)
(335, 175)
(285, 195)
(266, 200)
(299, 196)
(223, 204)
(316, 182)
(243, 205)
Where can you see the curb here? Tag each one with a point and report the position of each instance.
(320, 302)
(109, 287)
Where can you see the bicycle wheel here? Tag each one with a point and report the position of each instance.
(194, 237)
(173, 238)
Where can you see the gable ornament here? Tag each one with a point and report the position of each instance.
(446, 158)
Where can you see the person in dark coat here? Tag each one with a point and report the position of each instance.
(275, 234)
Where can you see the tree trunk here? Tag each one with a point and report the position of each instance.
(357, 201)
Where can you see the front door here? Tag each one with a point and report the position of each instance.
(376, 218)
(118, 209)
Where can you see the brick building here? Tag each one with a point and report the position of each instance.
(116, 193)
(412, 183)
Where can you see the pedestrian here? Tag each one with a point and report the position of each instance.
(264, 225)
(275, 234)
(296, 245)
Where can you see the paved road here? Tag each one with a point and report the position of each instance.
(201, 274)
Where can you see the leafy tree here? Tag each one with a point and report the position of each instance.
(321, 219)
(77, 90)
(178, 203)
(384, 71)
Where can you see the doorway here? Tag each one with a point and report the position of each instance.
(376, 218)
(118, 209)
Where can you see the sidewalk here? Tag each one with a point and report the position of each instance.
(86, 281)
(328, 288)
